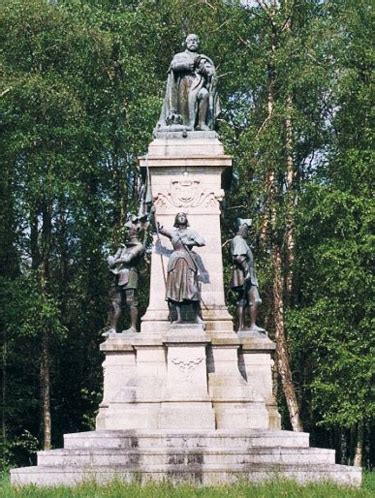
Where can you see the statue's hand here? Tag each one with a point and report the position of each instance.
(196, 64)
(202, 68)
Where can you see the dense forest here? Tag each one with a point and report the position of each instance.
(81, 87)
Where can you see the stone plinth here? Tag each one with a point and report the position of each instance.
(186, 404)
(182, 379)
(187, 173)
(256, 365)
(236, 403)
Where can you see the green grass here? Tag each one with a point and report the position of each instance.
(274, 489)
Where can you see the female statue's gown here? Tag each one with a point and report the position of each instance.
(182, 278)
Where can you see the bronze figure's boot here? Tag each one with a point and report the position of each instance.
(198, 314)
(114, 315)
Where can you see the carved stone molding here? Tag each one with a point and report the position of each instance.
(188, 193)
(186, 366)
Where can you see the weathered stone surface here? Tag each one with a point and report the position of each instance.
(209, 457)
(183, 379)
(163, 456)
(186, 404)
(186, 175)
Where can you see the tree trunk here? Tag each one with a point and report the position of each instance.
(290, 184)
(282, 356)
(34, 240)
(269, 216)
(45, 392)
(282, 277)
(290, 179)
(4, 386)
(343, 447)
(45, 380)
(359, 447)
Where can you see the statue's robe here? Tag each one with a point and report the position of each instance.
(182, 279)
(180, 106)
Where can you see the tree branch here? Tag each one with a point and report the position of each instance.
(4, 92)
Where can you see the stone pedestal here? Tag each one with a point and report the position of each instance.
(132, 397)
(188, 173)
(119, 370)
(184, 380)
(257, 363)
(181, 377)
(186, 404)
(236, 403)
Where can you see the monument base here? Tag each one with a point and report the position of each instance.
(196, 457)
(186, 407)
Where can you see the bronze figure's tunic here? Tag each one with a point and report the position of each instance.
(244, 281)
(127, 273)
(239, 247)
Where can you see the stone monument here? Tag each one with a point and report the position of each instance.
(185, 400)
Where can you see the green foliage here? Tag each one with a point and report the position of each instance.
(81, 87)
(31, 311)
(332, 328)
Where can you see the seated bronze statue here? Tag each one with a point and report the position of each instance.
(191, 100)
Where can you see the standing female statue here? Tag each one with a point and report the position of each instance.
(182, 278)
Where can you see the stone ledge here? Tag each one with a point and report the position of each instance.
(164, 456)
(196, 473)
(191, 161)
(256, 341)
(127, 343)
(166, 134)
(185, 333)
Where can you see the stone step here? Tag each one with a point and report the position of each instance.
(267, 438)
(168, 457)
(203, 474)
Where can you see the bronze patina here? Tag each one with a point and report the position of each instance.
(191, 100)
(244, 281)
(182, 272)
(124, 265)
